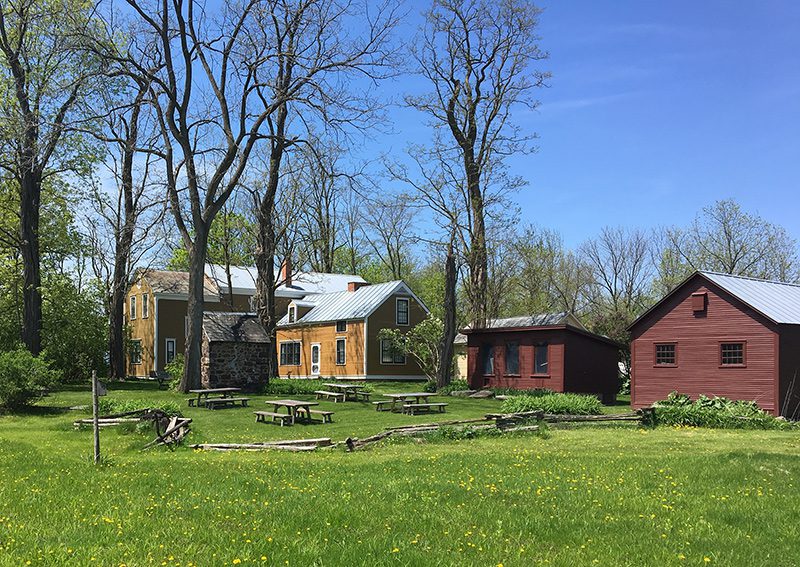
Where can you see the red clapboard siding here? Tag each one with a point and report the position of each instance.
(698, 336)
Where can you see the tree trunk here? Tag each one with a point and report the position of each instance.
(116, 313)
(477, 257)
(445, 373)
(30, 201)
(197, 261)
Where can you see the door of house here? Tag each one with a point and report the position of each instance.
(315, 366)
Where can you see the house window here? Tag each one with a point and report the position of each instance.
(666, 355)
(540, 359)
(402, 311)
(170, 350)
(292, 313)
(145, 306)
(341, 326)
(512, 358)
(341, 351)
(487, 359)
(290, 354)
(136, 351)
(132, 312)
(731, 354)
(391, 355)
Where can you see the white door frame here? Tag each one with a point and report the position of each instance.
(319, 359)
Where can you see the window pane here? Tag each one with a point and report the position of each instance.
(402, 311)
(665, 354)
(133, 307)
(540, 362)
(340, 351)
(386, 352)
(145, 306)
(732, 353)
(512, 358)
(341, 326)
(487, 359)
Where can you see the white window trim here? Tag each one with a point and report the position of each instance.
(145, 305)
(336, 351)
(301, 352)
(405, 357)
(132, 308)
(311, 359)
(166, 349)
(397, 301)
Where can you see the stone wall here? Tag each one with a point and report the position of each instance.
(234, 364)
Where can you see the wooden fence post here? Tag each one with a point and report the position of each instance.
(95, 418)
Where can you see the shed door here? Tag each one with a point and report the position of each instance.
(315, 359)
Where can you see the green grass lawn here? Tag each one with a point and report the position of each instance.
(582, 496)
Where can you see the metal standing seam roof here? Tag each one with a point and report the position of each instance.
(345, 305)
(778, 301)
(243, 279)
(539, 320)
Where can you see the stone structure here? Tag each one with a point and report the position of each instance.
(235, 351)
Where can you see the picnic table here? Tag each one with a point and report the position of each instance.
(350, 391)
(293, 407)
(204, 393)
(419, 397)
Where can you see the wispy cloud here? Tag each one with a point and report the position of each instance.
(584, 102)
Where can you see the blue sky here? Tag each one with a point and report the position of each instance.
(656, 109)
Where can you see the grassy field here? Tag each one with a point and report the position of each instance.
(584, 496)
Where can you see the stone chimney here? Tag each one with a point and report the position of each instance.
(353, 286)
(286, 272)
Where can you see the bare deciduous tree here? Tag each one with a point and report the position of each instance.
(478, 55)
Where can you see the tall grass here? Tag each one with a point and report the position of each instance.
(572, 404)
(679, 409)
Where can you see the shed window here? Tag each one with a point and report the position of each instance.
(666, 355)
(290, 354)
(341, 326)
(731, 354)
(512, 358)
(341, 351)
(541, 364)
(402, 311)
(132, 311)
(145, 306)
(487, 359)
(391, 355)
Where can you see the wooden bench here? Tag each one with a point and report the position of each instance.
(327, 416)
(261, 417)
(379, 405)
(361, 395)
(337, 396)
(214, 403)
(411, 408)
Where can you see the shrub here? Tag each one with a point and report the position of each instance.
(24, 378)
(430, 386)
(679, 409)
(454, 386)
(112, 406)
(292, 387)
(572, 404)
(517, 392)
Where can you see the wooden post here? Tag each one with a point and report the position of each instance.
(95, 418)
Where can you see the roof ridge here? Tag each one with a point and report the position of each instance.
(750, 278)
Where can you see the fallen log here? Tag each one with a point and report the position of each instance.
(440, 424)
(559, 418)
(252, 447)
(320, 442)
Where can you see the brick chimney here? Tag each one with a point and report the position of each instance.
(353, 286)
(286, 272)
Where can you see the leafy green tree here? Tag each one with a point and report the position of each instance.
(23, 378)
(422, 342)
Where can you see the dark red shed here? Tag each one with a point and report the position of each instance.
(720, 335)
(552, 351)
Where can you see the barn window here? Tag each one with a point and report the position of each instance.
(487, 359)
(512, 358)
(391, 354)
(290, 354)
(540, 361)
(341, 351)
(731, 354)
(666, 355)
(136, 351)
(341, 326)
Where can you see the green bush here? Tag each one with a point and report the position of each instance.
(454, 386)
(292, 386)
(518, 392)
(24, 378)
(572, 404)
(430, 386)
(111, 406)
(679, 409)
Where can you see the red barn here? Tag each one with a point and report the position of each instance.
(720, 335)
(552, 351)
